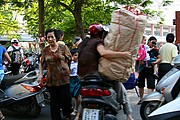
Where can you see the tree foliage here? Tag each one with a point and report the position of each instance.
(74, 16)
(8, 22)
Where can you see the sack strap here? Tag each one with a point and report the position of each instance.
(132, 37)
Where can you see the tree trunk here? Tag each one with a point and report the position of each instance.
(79, 25)
(41, 18)
(78, 19)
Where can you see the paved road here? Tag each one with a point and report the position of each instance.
(45, 113)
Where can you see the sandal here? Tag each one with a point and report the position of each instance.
(2, 118)
(74, 113)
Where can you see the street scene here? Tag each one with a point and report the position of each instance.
(45, 113)
(89, 60)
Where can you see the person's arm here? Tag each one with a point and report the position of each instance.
(6, 55)
(158, 60)
(108, 54)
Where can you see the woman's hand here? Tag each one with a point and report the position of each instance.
(40, 78)
(126, 54)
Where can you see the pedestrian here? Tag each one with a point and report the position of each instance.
(142, 56)
(75, 85)
(3, 54)
(90, 51)
(61, 36)
(167, 53)
(57, 57)
(16, 54)
(147, 72)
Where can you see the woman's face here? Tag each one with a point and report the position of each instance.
(51, 38)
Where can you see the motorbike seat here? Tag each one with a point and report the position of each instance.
(96, 80)
(10, 80)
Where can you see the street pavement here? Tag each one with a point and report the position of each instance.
(45, 113)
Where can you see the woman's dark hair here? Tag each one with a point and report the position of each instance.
(60, 33)
(170, 38)
(55, 33)
(152, 38)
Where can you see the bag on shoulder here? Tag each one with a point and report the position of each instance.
(16, 55)
(141, 55)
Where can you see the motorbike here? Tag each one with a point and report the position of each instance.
(169, 111)
(98, 99)
(29, 63)
(167, 90)
(22, 94)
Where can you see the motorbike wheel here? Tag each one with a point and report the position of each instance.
(109, 117)
(147, 108)
(28, 108)
(35, 109)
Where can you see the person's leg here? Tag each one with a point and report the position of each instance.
(123, 99)
(54, 104)
(150, 81)
(15, 68)
(163, 69)
(78, 107)
(1, 75)
(66, 100)
(1, 116)
(141, 93)
(141, 83)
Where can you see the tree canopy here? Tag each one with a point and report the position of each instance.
(71, 16)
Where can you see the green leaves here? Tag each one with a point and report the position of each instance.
(8, 22)
(71, 16)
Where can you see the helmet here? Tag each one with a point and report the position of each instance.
(14, 40)
(95, 29)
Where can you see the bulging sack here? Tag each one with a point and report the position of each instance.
(125, 34)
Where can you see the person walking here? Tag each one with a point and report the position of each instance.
(75, 85)
(57, 57)
(3, 55)
(16, 54)
(167, 53)
(147, 72)
(90, 51)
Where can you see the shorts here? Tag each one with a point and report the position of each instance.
(1, 75)
(75, 86)
(146, 73)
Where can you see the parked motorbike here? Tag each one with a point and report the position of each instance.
(169, 111)
(166, 90)
(22, 94)
(98, 99)
(29, 63)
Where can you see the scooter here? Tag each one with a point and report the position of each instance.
(167, 85)
(98, 99)
(169, 111)
(22, 94)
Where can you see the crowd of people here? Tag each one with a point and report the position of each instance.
(156, 64)
(66, 68)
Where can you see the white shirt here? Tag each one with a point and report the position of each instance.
(147, 54)
(73, 68)
(10, 49)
